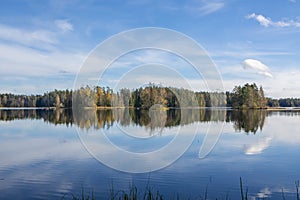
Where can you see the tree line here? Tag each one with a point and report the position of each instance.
(286, 102)
(247, 96)
(56, 98)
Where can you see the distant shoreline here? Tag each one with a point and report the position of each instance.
(282, 108)
(165, 108)
(249, 96)
(29, 108)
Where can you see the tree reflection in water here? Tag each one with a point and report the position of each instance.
(249, 121)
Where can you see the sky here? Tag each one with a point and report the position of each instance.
(43, 44)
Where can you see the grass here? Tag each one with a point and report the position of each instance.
(149, 194)
(133, 194)
(297, 189)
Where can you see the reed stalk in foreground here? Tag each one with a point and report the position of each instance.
(149, 194)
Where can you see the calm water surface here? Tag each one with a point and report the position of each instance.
(42, 156)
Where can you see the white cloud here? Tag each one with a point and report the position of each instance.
(254, 64)
(210, 7)
(201, 7)
(64, 25)
(29, 52)
(27, 37)
(257, 66)
(261, 19)
(38, 38)
(266, 21)
(17, 60)
(36, 71)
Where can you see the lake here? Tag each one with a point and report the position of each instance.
(51, 154)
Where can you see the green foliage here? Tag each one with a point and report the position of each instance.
(272, 102)
(247, 96)
(286, 102)
(57, 98)
(289, 102)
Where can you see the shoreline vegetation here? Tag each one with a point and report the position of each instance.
(134, 193)
(248, 96)
(164, 108)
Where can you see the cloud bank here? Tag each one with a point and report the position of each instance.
(34, 58)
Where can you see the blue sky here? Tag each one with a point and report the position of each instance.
(44, 43)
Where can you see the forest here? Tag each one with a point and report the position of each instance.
(241, 97)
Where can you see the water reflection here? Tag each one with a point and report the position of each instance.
(258, 147)
(43, 161)
(249, 121)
